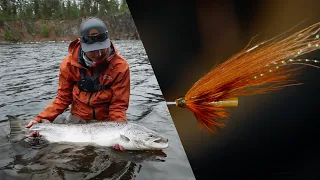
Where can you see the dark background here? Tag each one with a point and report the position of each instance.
(274, 135)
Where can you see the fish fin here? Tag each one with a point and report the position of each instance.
(16, 132)
(125, 138)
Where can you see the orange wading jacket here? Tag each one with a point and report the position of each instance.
(110, 104)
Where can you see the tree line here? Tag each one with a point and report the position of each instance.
(59, 9)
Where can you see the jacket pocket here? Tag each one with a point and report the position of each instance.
(101, 98)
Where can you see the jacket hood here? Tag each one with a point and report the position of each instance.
(74, 48)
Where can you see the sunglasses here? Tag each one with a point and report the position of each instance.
(96, 38)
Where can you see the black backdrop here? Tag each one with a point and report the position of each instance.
(274, 135)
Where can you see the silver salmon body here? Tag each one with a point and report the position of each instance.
(129, 135)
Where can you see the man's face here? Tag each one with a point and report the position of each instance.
(98, 55)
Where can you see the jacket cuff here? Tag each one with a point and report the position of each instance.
(117, 116)
(38, 119)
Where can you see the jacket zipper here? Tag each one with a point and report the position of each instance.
(89, 99)
(93, 112)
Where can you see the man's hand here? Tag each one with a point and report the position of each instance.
(117, 146)
(35, 133)
(32, 122)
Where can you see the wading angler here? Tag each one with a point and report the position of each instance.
(93, 78)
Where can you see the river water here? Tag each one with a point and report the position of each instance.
(29, 77)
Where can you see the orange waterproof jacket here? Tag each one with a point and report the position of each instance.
(110, 104)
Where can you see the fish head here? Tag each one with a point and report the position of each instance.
(141, 138)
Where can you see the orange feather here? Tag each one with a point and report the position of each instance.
(266, 67)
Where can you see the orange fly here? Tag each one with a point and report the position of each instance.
(263, 68)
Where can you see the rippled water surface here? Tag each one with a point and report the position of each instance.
(29, 76)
